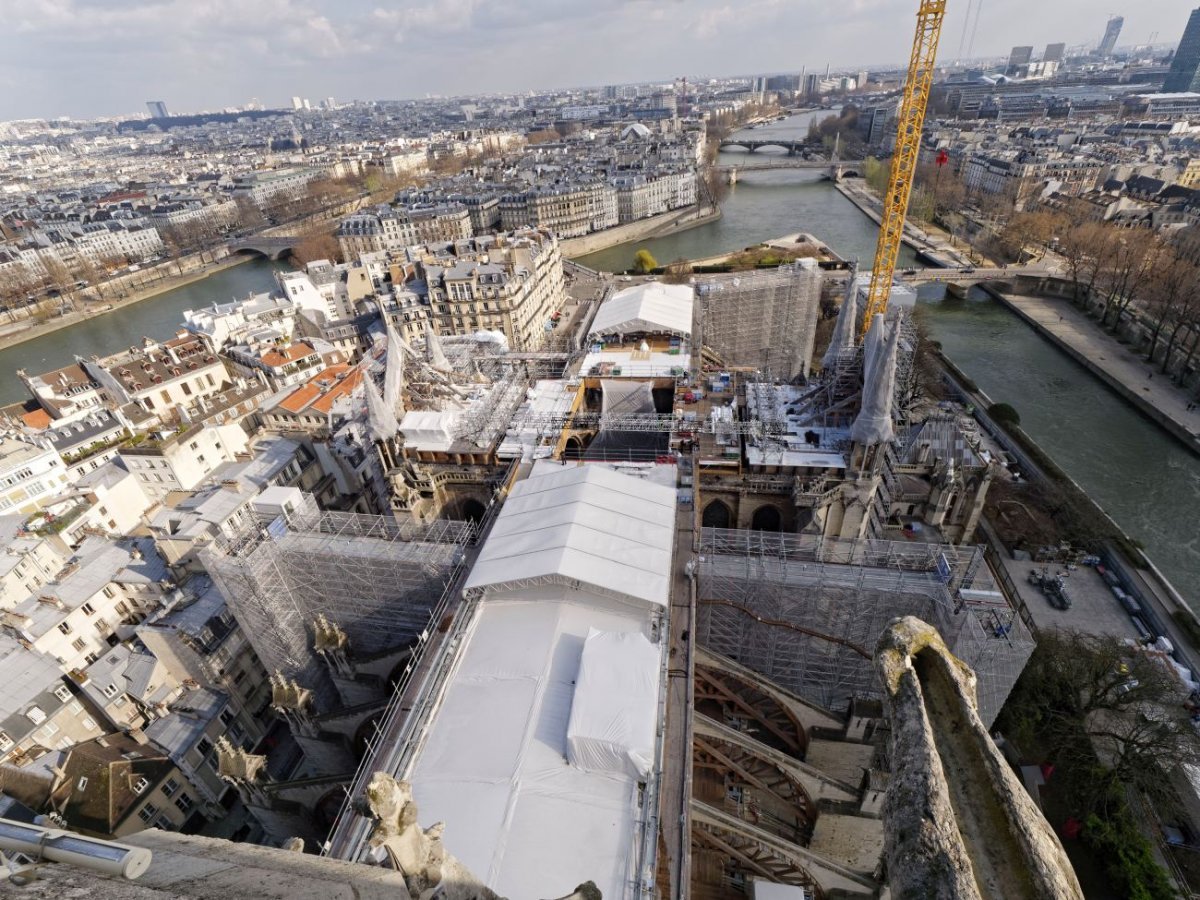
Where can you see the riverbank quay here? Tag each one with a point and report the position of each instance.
(19, 333)
(1164, 609)
(664, 224)
(931, 244)
(1119, 367)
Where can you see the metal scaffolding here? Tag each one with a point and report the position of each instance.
(764, 320)
(801, 610)
(373, 577)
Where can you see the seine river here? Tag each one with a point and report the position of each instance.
(157, 317)
(1142, 477)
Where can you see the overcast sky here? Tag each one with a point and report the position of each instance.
(106, 57)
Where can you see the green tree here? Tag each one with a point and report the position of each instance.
(1003, 414)
(644, 262)
(876, 174)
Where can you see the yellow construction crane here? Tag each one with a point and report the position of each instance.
(904, 161)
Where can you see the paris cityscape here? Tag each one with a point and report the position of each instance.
(781, 485)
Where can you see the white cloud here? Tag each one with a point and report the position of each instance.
(81, 56)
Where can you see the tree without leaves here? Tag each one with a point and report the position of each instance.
(1125, 260)
(317, 244)
(1093, 698)
(17, 283)
(1171, 297)
(1082, 245)
(1025, 229)
(247, 216)
(678, 272)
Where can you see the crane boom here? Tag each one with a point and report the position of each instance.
(904, 161)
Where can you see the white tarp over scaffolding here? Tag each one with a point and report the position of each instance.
(393, 379)
(434, 354)
(555, 667)
(381, 420)
(583, 525)
(874, 424)
(614, 710)
(842, 342)
(494, 768)
(652, 307)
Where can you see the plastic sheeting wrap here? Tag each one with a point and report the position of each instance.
(428, 428)
(381, 421)
(434, 354)
(842, 342)
(393, 380)
(625, 398)
(615, 707)
(874, 423)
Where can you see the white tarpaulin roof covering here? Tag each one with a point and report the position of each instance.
(583, 525)
(493, 766)
(615, 708)
(650, 307)
(429, 429)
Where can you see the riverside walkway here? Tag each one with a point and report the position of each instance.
(1122, 369)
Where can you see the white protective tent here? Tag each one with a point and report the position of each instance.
(615, 706)
(651, 308)
(583, 526)
(494, 766)
(429, 429)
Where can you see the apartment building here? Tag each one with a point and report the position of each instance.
(567, 210)
(105, 589)
(1022, 177)
(163, 378)
(32, 474)
(39, 713)
(512, 285)
(280, 366)
(176, 461)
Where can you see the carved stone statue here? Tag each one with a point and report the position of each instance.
(959, 824)
(419, 853)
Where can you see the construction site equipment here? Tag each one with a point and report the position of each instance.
(904, 161)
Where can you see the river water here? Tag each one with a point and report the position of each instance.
(1141, 476)
(158, 317)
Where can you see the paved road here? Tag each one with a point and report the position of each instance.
(1078, 331)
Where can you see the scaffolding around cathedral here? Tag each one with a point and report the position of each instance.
(762, 320)
(803, 610)
(375, 578)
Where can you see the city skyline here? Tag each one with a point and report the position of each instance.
(217, 53)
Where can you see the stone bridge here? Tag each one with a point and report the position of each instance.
(276, 247)
(969, 275)
(833, 169)
(753, 146)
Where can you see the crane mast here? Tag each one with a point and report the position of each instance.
(904, 161)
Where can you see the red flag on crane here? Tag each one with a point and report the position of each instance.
(942, 158)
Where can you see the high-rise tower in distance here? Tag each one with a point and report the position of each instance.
(1182, 76)
(158, 109)
(1112, 31)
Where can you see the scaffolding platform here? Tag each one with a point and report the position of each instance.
(376, 578)
(806, 612)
